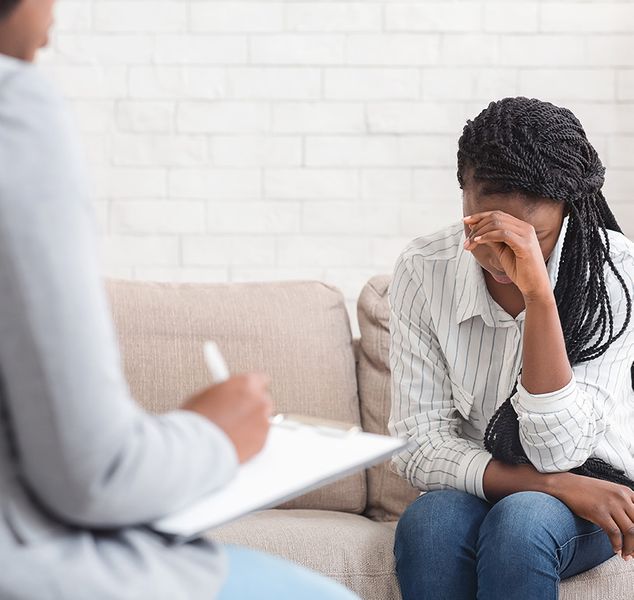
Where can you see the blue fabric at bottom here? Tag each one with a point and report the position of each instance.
(257, 575)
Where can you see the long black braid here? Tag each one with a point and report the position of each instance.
(540, 150)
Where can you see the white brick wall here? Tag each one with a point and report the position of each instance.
(265, 139)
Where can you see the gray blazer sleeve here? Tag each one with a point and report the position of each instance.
(84, 448)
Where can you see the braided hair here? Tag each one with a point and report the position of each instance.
(526, 146)
(6, 6)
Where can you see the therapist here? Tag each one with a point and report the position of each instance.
(82, 467)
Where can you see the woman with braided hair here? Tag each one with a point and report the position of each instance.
(512, 344)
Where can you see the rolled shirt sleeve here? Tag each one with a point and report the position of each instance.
(560, 430)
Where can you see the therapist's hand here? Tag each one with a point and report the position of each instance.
(241, 407)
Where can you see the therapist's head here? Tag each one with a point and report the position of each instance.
(24, 27)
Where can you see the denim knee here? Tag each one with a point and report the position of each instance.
(518, 525)
(439, 518)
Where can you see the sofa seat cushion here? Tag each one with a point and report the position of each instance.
(351, 549)
(357, 552)
(613, 580)
(297, 332)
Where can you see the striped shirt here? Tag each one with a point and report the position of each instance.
(456, 355)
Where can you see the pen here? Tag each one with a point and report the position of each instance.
(215, 362)
(217, 367)
(219, 371)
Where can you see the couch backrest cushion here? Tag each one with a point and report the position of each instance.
(298, 332)
(388, 494)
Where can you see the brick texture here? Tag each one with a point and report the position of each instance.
(271, 139)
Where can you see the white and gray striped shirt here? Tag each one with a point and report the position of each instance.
(456, 355)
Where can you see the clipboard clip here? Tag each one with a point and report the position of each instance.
(325, 426)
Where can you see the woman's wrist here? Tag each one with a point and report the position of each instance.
(501, 479)
(541, 295)
(545, 364)
(556, 484)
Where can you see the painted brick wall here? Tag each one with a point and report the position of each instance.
(254, 140)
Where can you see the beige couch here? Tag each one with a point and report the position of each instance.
(299, 333)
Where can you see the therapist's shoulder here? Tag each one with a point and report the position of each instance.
(29, 102)
(38, 138)
(26, 82)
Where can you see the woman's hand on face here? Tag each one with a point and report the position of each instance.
(516, 247)
(606, 504)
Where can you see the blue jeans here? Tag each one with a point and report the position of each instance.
(257, 575)
(451, 545)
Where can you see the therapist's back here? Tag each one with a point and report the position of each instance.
(82, 467)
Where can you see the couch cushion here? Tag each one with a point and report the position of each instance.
(351, 549)
(613, 580)
(358, 553)
(388, 494)
(298, 332)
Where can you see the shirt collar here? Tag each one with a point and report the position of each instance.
(471, 290)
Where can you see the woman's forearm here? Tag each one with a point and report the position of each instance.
(545, 364)
(501, 480)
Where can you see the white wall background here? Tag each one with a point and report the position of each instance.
(253, 140)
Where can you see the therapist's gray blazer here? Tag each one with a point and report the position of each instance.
(82, 468)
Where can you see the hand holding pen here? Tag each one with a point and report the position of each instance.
(240, 405)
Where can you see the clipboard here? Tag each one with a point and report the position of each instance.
(301, 454)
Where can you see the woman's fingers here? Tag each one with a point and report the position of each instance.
(504, 236)
(476, 217)
(487, 225)
(491, 222)
(629, 514)
(495, 220)
(493, 215)
(626, 527)
(613, 531)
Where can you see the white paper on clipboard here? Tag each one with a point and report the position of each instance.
(294, 461)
